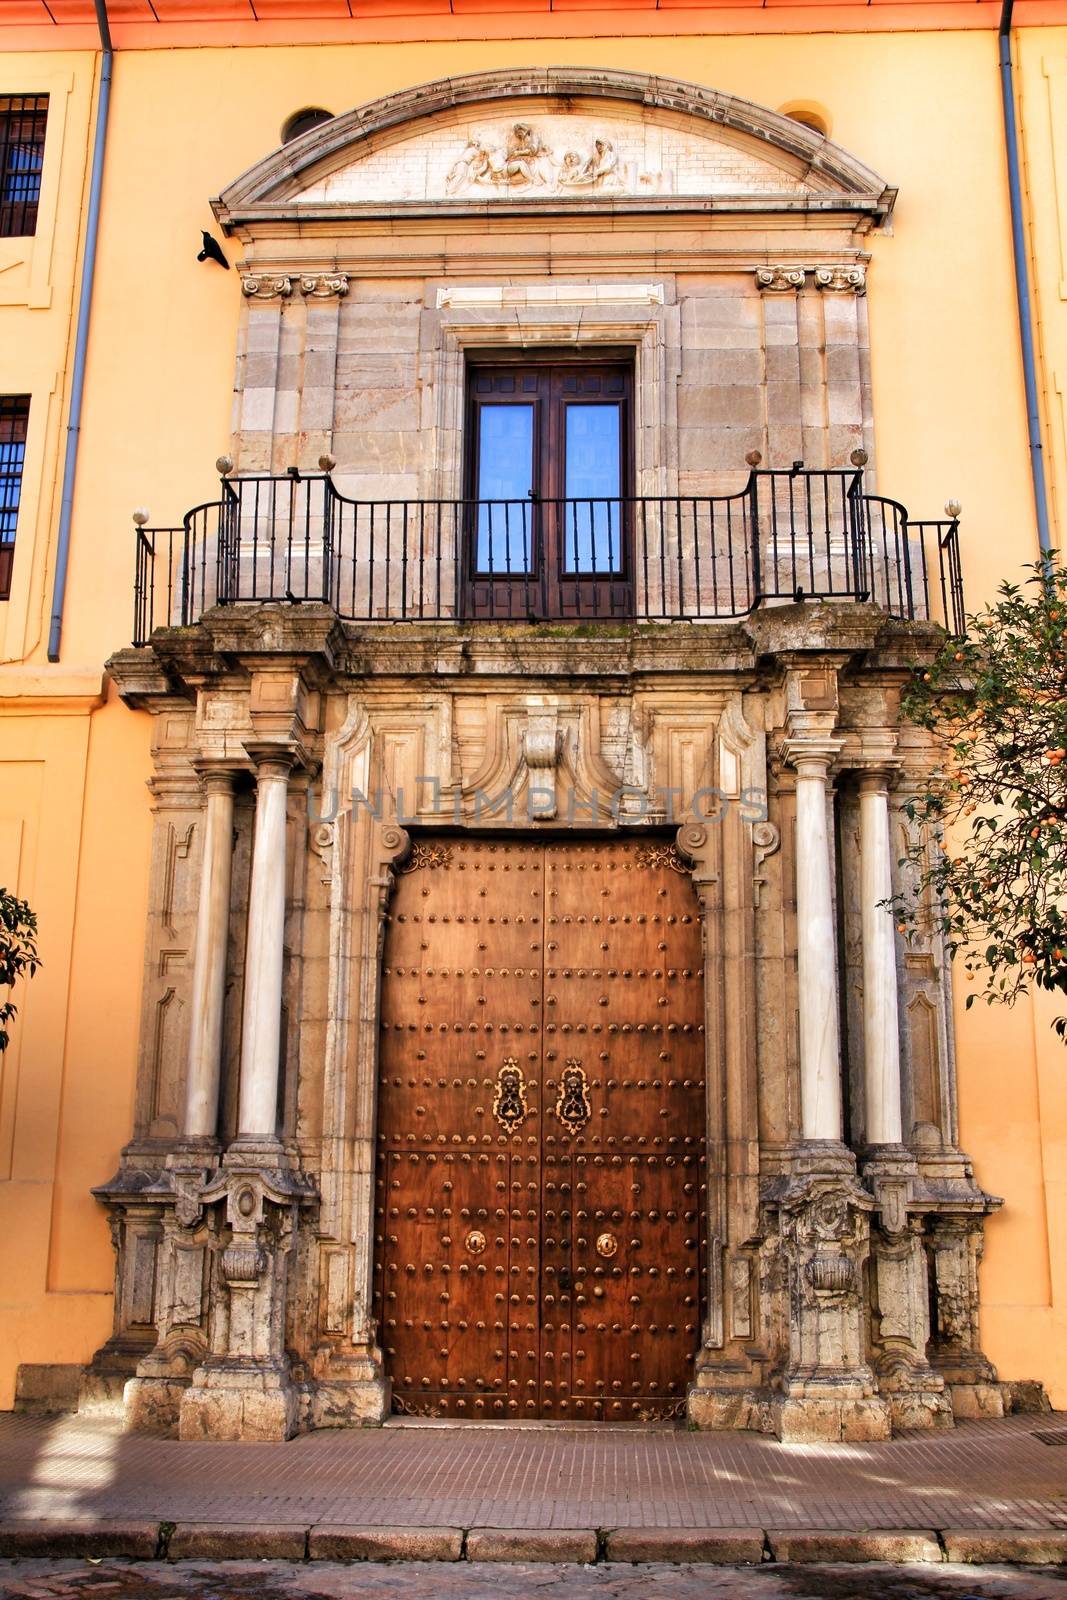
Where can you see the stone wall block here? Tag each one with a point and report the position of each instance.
(733, 406)
(722, 365)
(378, 409)
(720, 449)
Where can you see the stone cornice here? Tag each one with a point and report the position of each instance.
(271, 189)
(234, 642)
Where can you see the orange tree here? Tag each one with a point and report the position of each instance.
(997, 700)
(18, 952)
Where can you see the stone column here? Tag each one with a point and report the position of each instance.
(881, 1036)
(828, 1390)
(242, 1388)
(900, 1319)
(257, 1118)
(209, 966)
(820, 1048)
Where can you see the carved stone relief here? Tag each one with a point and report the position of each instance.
(555, 153)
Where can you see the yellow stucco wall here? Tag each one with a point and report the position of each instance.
(922, 109)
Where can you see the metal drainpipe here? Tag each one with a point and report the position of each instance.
(81, 341)
(1022, 282)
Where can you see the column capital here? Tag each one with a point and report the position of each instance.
(876, 777)
(812, 756)
(270, 758)
(216, 776)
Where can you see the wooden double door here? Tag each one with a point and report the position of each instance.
(540, 1185)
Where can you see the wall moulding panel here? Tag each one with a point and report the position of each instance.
(549, 294)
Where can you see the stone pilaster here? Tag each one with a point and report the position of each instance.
(900, 1317)
(955, 1243)
(243, 1388)
(828, 1390)
(188, 1238)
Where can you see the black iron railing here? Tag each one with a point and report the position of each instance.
(787, 535)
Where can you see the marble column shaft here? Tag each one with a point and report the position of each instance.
(261, 1032)
(209, 962)
(881, 1028)
(820, 1052)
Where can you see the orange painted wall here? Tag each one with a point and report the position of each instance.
(922, 109)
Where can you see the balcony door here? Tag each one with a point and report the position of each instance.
(549, 453)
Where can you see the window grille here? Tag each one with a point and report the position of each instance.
(22, 126)
(14, 417)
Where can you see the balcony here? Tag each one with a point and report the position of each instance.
(785, 536)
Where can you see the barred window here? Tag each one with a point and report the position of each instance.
(22, 125)
(14, 417)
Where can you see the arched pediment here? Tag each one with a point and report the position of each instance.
(565, 137)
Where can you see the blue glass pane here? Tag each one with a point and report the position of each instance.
(505, 478)
(11, 459)
(22, 182)
(592, 513)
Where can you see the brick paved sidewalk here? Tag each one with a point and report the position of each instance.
(445, 1483)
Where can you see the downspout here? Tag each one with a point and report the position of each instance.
(1022, 283)
(81, 341)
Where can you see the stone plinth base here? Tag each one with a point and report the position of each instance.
(971, 1400)
(920, 1408)
(347, 1405)
(745, 1410)
(803, 1419)
(42, 1389)
(153, 1405)
(102, 1394)
(231, 1402)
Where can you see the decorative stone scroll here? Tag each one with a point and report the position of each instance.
(780, 280)
(271, 287)
(842, 279)
(848, 278)
(324, 285)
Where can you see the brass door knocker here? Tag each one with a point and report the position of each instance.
(572, 1106)
(509, 1100)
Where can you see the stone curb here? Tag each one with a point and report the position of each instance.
(728, 1547)
(224, 1541)
(147, 1541)
(532, 1544)
(898, 1544)
(335, 1542)
(1037, 1547)
(140, 1541)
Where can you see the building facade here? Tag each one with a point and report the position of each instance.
(468, 986)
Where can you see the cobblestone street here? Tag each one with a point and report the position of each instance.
(271, 1580)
